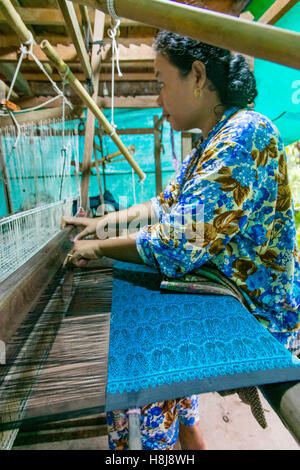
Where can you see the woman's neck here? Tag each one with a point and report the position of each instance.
(212, 119)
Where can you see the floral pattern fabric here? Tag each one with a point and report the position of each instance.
(159, 424)
(230, 204)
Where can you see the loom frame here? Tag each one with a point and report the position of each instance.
(24, 287)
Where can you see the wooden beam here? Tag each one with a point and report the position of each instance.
(90, 120)
(6, 185)
(277, 11)
(54, 17)
(42, 115)
(8, 71)
(127, 77)
(11, 40)
(86, 21)
(39, 16)
(256, 39)
(120, 102)
(69, 54)
(129, 102)
(74, 30)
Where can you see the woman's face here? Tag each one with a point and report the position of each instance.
(176, 95)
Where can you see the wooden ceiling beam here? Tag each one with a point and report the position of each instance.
(54, 17)
(43, 114)
(39, 16)
(277, 11)
(69, 54)
(74, 30)
(143, 101)
(39, 77)
(11, 40)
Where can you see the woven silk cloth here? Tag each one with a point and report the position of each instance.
(165, 344)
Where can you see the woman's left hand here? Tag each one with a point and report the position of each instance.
(83, 251)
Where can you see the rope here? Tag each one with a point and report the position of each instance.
(111, 10)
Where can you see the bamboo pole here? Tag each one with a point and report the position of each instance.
(16, 23)
(255, 39)
(83, 94)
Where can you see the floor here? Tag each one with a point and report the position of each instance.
(227, 424)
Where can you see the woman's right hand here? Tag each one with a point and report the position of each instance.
(89, 225)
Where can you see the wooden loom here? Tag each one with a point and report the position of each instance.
(22, 291)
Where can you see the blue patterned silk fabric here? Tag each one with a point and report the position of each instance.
(238, 178)
(165, 345)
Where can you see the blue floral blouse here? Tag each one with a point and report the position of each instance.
(230, 204)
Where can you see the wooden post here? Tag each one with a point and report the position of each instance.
(86, 21)
(157, 150)
(250, 38)
(68, 10)
(8, 201)
(90, 120)
(98, 176)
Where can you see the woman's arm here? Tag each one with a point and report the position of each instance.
(111, 224)
(119, 248)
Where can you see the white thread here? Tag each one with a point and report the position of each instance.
(15, 75)
(111, 10)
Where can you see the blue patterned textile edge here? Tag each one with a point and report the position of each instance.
(166, 345)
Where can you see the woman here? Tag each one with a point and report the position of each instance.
(236, 179)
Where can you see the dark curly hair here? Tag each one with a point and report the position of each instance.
(229, 73)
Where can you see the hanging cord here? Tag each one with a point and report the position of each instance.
(112, 33)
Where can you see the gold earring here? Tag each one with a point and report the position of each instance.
(198, 92)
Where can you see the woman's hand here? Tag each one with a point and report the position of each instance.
(83, 251)
(89, 225)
